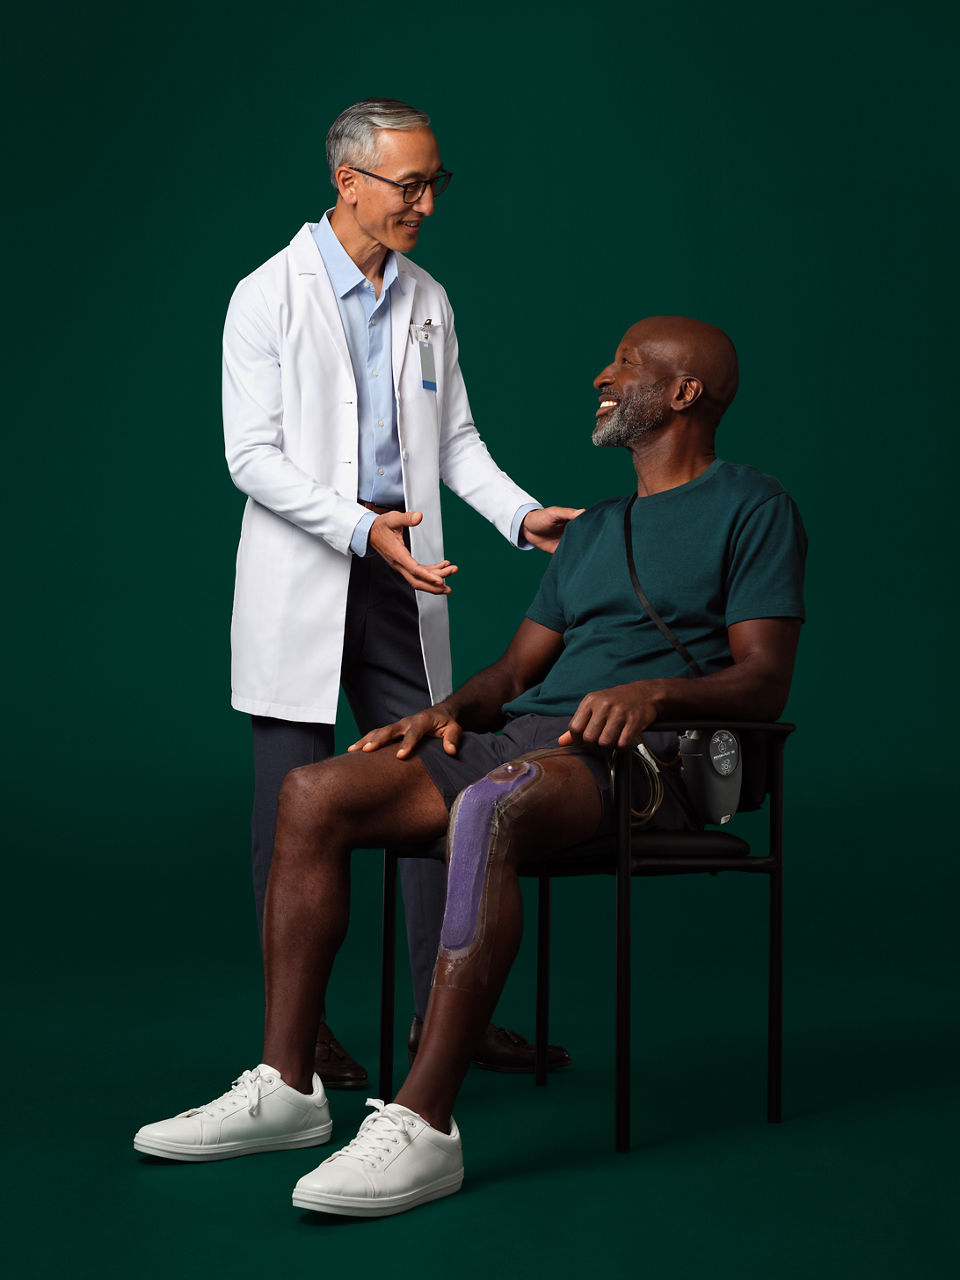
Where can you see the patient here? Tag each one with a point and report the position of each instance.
(719, 550)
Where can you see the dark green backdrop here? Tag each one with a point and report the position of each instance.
(784, 173)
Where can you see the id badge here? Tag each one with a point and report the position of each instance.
(421, 335)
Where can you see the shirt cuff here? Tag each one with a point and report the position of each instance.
(361, 534)
(515, 536)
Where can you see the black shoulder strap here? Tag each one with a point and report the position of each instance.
(665, 631)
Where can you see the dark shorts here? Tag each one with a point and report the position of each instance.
(478, 753)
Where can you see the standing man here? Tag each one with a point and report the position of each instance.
(343, 408)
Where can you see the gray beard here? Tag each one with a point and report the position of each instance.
(632, 419)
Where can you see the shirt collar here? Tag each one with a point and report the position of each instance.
(343, 272)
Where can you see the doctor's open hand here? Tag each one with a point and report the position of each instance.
(386, 538)
(543, 528)
(434, 722)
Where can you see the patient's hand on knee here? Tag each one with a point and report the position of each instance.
(434, 722)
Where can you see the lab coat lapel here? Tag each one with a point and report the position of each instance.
(309, 267)
(401, 306)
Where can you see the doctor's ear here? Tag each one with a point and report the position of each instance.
(347, 180)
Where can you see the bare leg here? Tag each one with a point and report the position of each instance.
(563, 808)
(327, 810)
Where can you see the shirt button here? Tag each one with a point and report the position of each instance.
(379, 471)
(372, 323)
(376, 373)
(379, 422)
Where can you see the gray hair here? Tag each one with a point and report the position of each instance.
(352, 138)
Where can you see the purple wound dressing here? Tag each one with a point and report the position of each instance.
(470, 841)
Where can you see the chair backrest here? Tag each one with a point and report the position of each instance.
(756, 753)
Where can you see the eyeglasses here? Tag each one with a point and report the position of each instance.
(412, 191)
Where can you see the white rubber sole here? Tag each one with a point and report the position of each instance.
(360, 1207)
(152, 1146)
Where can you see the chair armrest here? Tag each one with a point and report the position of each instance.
(780, 728)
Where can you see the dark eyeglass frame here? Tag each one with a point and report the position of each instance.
(439, 183)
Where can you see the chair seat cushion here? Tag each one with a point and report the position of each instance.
(656, 849)
(654, 853)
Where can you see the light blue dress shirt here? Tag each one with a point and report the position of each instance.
(366, 325)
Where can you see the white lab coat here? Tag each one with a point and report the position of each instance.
(290, 427)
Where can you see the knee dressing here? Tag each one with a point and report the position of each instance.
(473, 833)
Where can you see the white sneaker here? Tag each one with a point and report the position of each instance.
(258, 1113)
(395, 1162)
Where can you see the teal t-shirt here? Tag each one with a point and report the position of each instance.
(723, 548)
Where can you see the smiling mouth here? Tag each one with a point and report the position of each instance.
(606, 406)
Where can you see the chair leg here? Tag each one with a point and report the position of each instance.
(543, 980)
(622, 1048)
(775, 999)
(388, 963)
(622, 790)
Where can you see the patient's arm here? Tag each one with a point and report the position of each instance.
(754, 687)
(477, 704)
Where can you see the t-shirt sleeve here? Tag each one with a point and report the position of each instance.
(766, 570)
(546, 607)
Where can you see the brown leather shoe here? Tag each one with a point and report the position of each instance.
(499, 1049)
(334, 1065)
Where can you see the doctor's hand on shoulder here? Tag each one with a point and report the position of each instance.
(544, 527)
(386, 538)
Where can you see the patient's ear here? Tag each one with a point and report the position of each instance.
(688, 392)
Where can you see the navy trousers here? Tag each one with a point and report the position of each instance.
(383, 678)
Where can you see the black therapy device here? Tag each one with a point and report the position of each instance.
(711, 772)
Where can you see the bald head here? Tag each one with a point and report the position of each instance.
(681, 346)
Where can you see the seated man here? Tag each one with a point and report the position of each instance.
(719, 549)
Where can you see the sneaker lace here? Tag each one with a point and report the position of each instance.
(378, 1135)
(245, 1089)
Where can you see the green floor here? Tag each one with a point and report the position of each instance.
(859, 1177)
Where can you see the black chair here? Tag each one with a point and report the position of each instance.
(636, 851)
